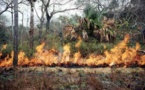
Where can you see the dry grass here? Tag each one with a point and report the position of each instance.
(39, 78)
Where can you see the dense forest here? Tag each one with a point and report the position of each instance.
(72, 33)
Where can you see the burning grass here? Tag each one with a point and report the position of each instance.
(120, 55)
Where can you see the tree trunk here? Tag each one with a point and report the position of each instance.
(15, 58)
(48, 17)
(31, 31)
(47, 25)
(40, 31)
(12, 21)
(41, 22)
(22, 30)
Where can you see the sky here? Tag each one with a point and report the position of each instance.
(26, 13)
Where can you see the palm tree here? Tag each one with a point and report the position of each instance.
(95, 22)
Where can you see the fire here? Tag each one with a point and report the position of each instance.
(7, 61)
(39, 48)
(121, 54)
(66, 54)
(78, 43)
(77, 58)
(4, 46)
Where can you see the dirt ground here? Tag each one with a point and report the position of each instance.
(61, 78)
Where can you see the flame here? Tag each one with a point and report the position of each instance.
(4, 46)
(7, 61)
(1, 54)
(120, 54)
(66, 54)
(22, 59)
(78, 44)
(39, 48)
(77, 57)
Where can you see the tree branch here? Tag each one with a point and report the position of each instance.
(7, 7)
(42, 16)
(60, 11)
(57, 3)
(37, 13)
(48, 3)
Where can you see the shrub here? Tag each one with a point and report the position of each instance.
(3, 35)
(92, 46)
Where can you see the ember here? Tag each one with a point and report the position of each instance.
(120, 55)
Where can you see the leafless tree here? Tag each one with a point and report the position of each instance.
(21, 28)
(53, 4)
(12, 13)
(139, 9)
(6, 5)
(41, 19)
(15, 58)
(31, 31)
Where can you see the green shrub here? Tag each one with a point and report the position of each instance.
(4, 37)
(92, 46)
(6, 51)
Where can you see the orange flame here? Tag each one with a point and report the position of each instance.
(78, 44)
(66, 54)
(5, 46)
(121, 54)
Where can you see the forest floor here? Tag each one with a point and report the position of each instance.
(61, 78)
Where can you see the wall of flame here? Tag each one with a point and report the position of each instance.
(121, 54)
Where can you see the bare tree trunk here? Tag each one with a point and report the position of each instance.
(21, 30)
(40, 32)
(49, 14)
(31, 31)
(48, 17)
(12, 20)
(15, 58)
(47, 25)
(27, 20)
(41, 22)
